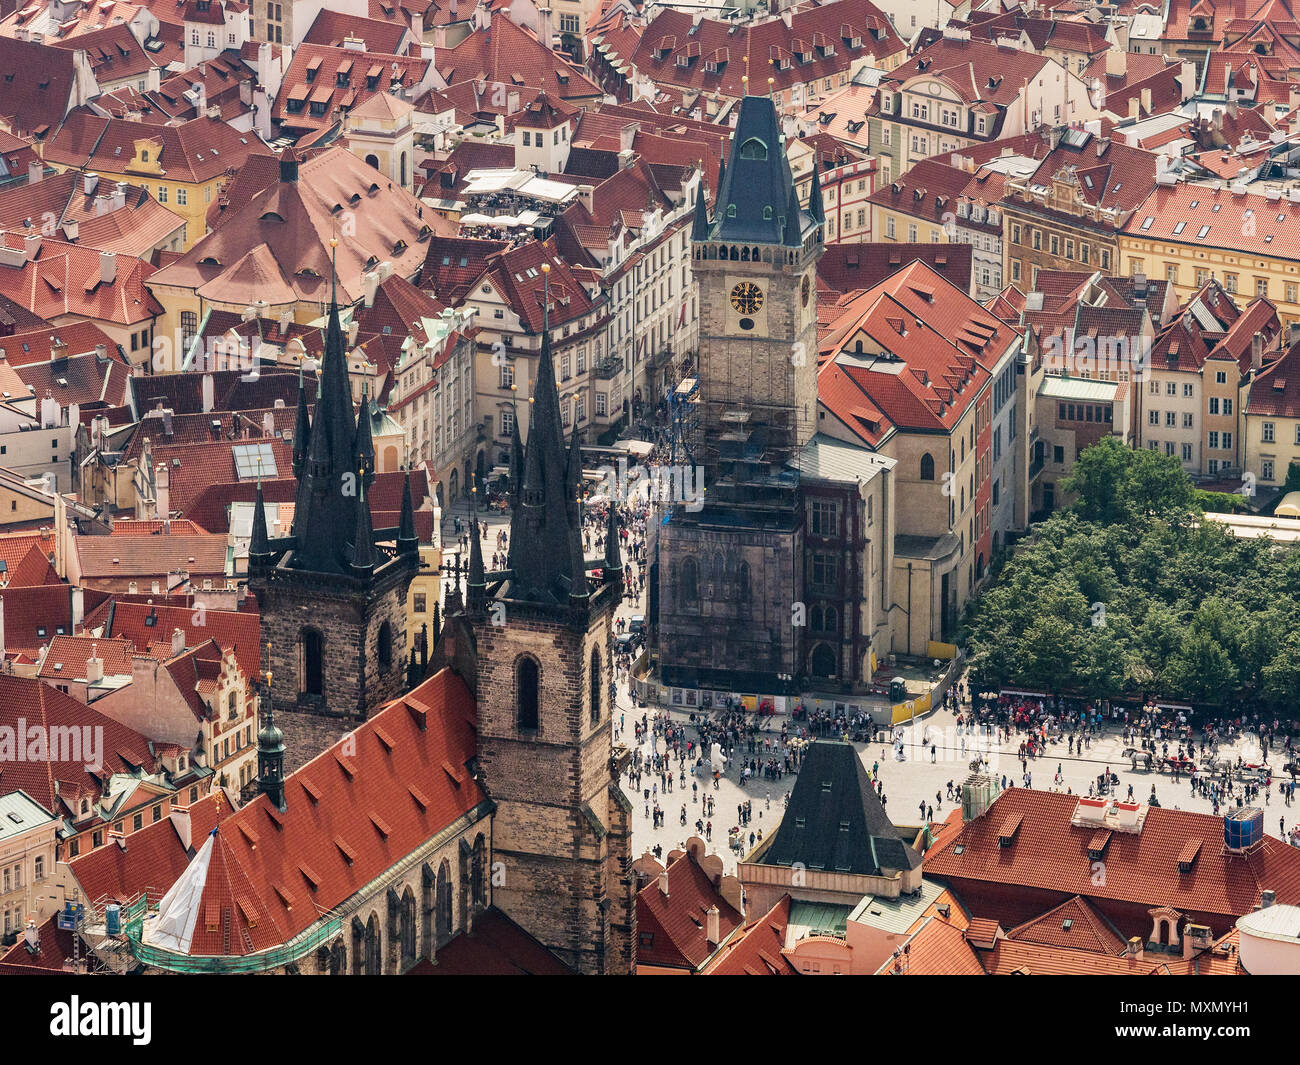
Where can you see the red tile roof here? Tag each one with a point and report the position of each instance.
(512, 56)
(313, 78)
(937, 948)
(53, 955)
(232, 630)
(43, 707)
(673, 927)
(1245, 222)
(194, 151)
(1051, 854)
(113, 558)
(1088, 929)
(153, 858)
(68, 655)
(38, 81)
(275, 873)
(712, 56)
(379, 35)
(757, 949)
(65, 279)
(496, 947)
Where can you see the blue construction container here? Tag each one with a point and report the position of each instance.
(113, 919)
(1243, 828)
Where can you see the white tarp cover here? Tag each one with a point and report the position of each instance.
(173, 928)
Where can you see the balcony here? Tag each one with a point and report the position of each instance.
(609, 369)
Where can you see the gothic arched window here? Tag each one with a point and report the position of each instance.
(385, 648)
(927, 467)
(742, 581)
(408, 930)
(443, 921)
(478, 873)
(690, 581)
(753, 149)
(527, 693)
(596, 686)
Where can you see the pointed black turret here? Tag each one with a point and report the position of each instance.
(407, 540)
(476, 585)
(516, 464)
(363, 540)
(700, 226)
(815, 206)
(364, 447)
(613, 549)
(301, 429)
(259, 544)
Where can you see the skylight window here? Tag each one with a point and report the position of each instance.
(253, 460)
(1203, 232)
(1179, 228)
(1194, 204)
(1146, 222)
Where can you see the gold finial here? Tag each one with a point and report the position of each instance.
(216, 794)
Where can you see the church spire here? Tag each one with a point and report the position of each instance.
(407, 540)
(301, 428)
(613, 549)
(815, 206)
(545, 534)
(700, 226)
(476, 585)
(365, 445)
(363, 540)
(325, 508)
(259, 545)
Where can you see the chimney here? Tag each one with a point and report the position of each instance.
(89, 183)
(35, 171)
(31, 246)
(94, 666)
(268, 424)
(713, 926)
(370, 285)
(1116, 63)
(108, 267)
(178, 641)
(1292, 333)
(1196, 938)
(1257, 352)
(1146, 101)
(1267, 898)
(32, 936)
(353, 326)
(209, 393)
(288, 167)
(118, 198)
(162, 490)
(286, 320)
(1134, 949)
(663, 881)
(78, 608)
(545, 27)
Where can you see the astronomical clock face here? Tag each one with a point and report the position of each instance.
(747, 298)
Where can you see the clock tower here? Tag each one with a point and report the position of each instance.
(729, 573)
(756, 261)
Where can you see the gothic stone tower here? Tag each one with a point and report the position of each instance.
(542, 630)
(332, 599)
(730, 573)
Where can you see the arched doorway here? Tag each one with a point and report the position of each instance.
(480, 472)
(453, 485)
(823, 661)
(311, 662)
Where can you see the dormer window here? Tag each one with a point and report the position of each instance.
(753, 149)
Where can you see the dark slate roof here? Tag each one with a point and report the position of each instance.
(833, 792)
(758, 178)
